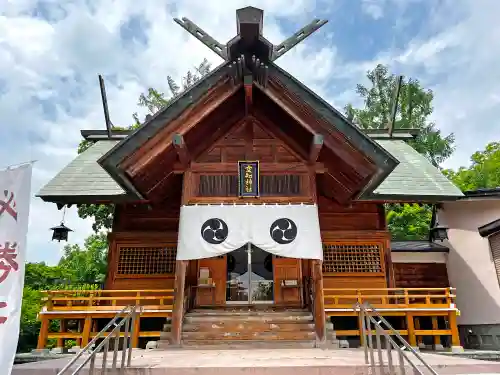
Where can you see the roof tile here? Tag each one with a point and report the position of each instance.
(83, 176)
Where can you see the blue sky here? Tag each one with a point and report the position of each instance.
(51, 52)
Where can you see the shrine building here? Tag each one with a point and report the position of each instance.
(247, 193)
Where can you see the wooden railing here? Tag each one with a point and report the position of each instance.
(78, 312)
(388, 298)
(99, 300)
(412, 304)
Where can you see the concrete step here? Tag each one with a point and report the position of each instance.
(246, 326)
(249, 335)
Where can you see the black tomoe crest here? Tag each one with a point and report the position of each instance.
(214, 231)
(283, 231)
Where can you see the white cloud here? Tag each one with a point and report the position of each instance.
(374, 8)
(49, 88)
(455, 54)
(51, 53)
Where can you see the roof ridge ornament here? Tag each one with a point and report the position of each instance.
(249, 40)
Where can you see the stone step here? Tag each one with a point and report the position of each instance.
(248, 335)
(243, 326)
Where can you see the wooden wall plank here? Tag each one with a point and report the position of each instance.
(421, 275)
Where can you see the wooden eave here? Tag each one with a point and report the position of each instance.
(332, 120)
(111, 161)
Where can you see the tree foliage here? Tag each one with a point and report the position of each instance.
(79, 268)
(414, 108)
(154, 101)
(483, 173)
(88, 264)
(409, 221)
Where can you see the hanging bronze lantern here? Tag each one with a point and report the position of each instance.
(60, 233)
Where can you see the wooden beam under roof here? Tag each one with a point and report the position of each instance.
(316, 146)
(248, 85)
(181, 148)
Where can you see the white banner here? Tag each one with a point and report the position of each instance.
(15, 190)
(291, 231)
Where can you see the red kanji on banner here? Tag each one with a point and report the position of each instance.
(8, 205)
(3, 319)
(7, 260)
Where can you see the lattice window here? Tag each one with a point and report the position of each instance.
(146, 260)
(352, 258)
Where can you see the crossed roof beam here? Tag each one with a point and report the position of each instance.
(249, 22)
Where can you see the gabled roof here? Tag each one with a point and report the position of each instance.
(369, 167)
(382, 159)
(251, 55)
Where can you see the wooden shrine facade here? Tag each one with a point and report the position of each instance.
(248, 109)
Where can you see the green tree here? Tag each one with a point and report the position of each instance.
(154, 101)
(483, 173)
(79, 268)
(39, 275)
(409, 221)
(86, 265)
(415, 106)
(414, 109)
(30, 326)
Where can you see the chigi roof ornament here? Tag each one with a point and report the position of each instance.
(249, 41)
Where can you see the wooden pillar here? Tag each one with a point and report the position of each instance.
(360, 327)
(87, 327)
(420, 339)
(178, 310)
(62, 329)
(137, 331)
(44, 332)
(452, 321)
(435, 327)
(79, 339)
(410, 326)
(319, 301)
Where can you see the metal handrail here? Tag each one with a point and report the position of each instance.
(366, 311)
(128, 317)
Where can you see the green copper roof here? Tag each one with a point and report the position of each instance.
(414, 177)
(83, 180)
